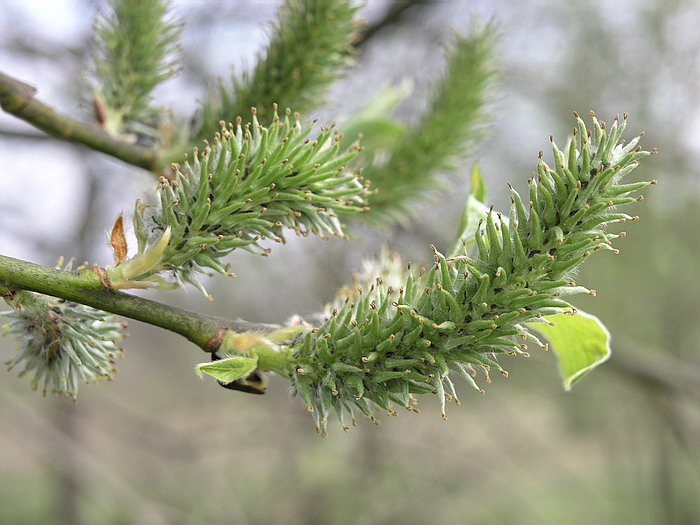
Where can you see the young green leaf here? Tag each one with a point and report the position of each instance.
(374, 121)
(473, 212)
(580, 341)
(227, 370)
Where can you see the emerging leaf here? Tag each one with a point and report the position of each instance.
(473, 211)
(580, 341)
(118, 241)
(227, 370)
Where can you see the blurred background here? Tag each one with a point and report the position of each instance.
(160, 446)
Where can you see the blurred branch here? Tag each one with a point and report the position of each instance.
(17, 98)
(87, 287)
(673, 375)
(36, 46)
(392, 16)
(21, 135)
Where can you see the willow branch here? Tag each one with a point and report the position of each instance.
(678, 376)
(17, 98)
(87, 287)
(22, 135)
(392, 16)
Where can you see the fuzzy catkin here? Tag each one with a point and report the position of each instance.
(383, 344)
(63, 344)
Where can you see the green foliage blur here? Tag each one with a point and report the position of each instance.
(620, 448)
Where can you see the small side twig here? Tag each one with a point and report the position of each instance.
(17, 98)
(392, 16)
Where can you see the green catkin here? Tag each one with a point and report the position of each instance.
(231, 195)
(465, 310)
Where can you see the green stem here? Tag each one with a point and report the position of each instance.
(17, 98)
(279, 361)
(278, 358)
(86, 287)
